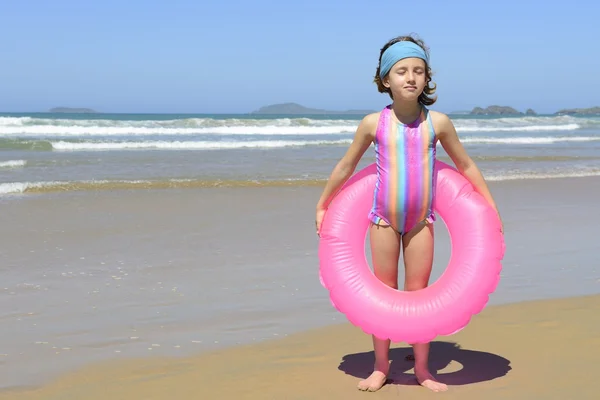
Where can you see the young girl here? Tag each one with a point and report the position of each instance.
(405, 134)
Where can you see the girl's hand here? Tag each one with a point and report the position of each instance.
(319, 219)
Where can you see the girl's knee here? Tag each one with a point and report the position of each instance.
(388, 275)
(393, 283)
(412, 286)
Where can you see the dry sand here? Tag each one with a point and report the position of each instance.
(536, 350)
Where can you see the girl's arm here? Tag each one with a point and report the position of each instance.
(364, 136)
(449, 140)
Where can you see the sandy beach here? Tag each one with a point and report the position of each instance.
(214, 293)
(534, 350)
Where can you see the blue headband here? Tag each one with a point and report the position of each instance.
(397, 52)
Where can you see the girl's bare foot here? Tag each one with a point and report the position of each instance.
(377, 379)
(427, 380)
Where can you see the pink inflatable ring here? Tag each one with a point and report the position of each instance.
(443, 308)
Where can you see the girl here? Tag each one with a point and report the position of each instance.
(405, 134)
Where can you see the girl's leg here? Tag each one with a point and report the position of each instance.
(418, 262)
(385, 252)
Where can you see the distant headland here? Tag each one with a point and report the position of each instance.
(579, 111)
(500, 110)
(297, 109)
(504, 110)
(70, 110)
(294, 108)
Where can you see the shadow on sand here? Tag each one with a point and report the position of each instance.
(477, 366)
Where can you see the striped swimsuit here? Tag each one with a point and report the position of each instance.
(405, 156)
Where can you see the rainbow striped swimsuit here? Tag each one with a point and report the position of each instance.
(405, 155)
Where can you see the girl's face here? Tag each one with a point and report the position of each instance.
(406, 79)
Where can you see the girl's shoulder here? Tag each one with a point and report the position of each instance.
(368, 125)
(440, 121)
(372, 119)
(437, 117)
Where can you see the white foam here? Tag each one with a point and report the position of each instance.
(275, 144)
(529, 139)
(28, 126)
(13, 187)
(66, 131)
(12, 163)
(22, 187)
(189, 145)
(558, 175)
(523, 128)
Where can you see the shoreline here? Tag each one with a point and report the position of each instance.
(25, 190)
(507, 350)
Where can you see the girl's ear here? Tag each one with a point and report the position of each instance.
(386, 81)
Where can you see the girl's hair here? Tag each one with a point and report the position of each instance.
(425, 97)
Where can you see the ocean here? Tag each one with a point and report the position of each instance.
(43, 152)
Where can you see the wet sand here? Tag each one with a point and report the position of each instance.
(110, 276)
(536, 350)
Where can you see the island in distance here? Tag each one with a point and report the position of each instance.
(579, 111)
(500, 110)
(294, 108)
(297, 109)
(70, 110)
(505, 110)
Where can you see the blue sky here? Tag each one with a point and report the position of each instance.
(236, 56)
